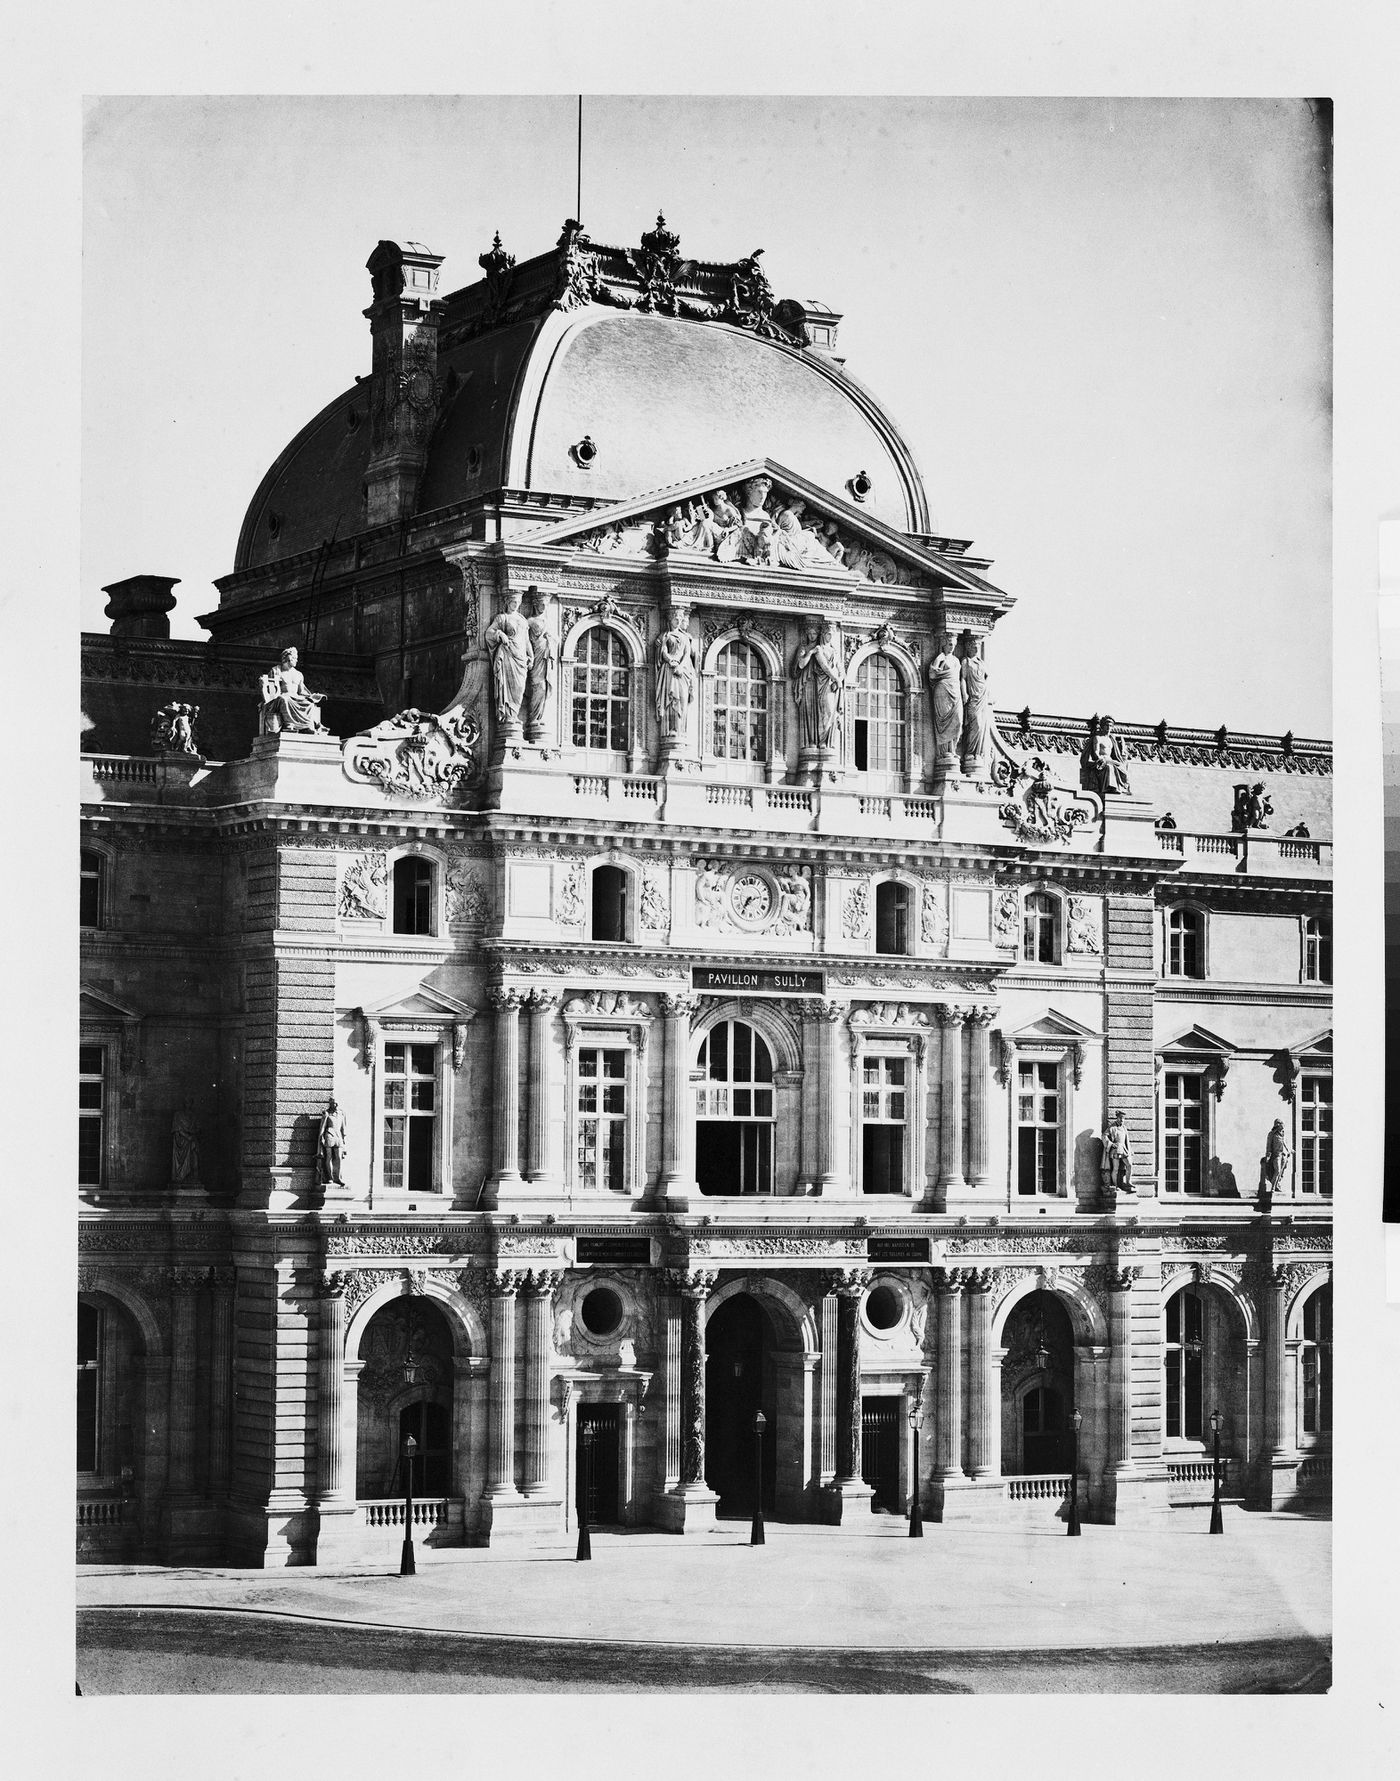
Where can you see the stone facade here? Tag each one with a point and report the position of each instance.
(709, 1034)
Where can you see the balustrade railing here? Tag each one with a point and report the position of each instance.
(101, 1512)
(114, 769)
(427, 1512)
(1044, 1488)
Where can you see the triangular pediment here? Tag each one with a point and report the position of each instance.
(1318, 1046)
(1052, 1027)
(1197, 1041)
(714, 519)
(95, 1010)
(422, 1003)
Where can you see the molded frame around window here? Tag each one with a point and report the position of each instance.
(632, 871)
(117, 1031)
(425, 1017)
(1057, 896)
(1202, 917)
(1314, 915)
(602, 760)
(771, 769)
(915, 889)
(1052, 1038)
(906, 1042)
(593, 1030)
(105, 903)
(1196, 1052)
(909, 776)
(1312, 1067)
(774, 1025)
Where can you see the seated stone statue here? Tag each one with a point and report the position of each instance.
(286, 703)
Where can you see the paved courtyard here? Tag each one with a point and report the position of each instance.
(1009, 1609)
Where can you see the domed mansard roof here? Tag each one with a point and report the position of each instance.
(667, 368)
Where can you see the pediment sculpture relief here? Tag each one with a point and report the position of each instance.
(417, 754)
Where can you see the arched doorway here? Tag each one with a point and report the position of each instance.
(1037, 1387)
(406, 1388)
(741, 1378)
(111, 1418)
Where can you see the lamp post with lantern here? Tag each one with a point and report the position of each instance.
(1217, 1520)
(916, 1517)
(1076, 1422)
(407, 1566)
(760, 1422)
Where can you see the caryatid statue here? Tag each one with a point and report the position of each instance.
(946, 685)
(817, 684)
(508, 640)
(976, 743)
(539, 678)
(676, 679)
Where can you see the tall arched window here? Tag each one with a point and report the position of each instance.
(740, 727)
(1317, 949)
(1040, 922)
(1184, 1353)
(1185, 948)
(413, 896)
(734, 1111)
(602, 691)
(878, 740)
(608, 904)
(1315, 1360)
(892, 917)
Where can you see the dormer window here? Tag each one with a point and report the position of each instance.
(878, 729)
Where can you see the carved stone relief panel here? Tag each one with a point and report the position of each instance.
(1084, 927)
(364, 887)
(753, 899)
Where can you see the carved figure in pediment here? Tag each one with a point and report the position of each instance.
(508, 640)
(676, 674)
(874, 565)
(286, 703)
(539, 678)
(798, 546)
(946, 685)
(756, 540)
(977, 705)
(816, 685)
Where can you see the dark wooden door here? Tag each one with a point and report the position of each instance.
(1045, 1440)
(600, 1456)
(879, 1450)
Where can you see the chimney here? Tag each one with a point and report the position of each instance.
(140, 605)
(403, 403)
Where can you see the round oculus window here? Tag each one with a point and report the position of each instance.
(884, 1308)
(601, 1311)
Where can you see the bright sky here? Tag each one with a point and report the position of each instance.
(1103, 326)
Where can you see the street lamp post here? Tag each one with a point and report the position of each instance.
(583, 1467)
(916, 1514)
(406, 1565)
(1217, 1520)
(760, 1422)
(1076, 1423)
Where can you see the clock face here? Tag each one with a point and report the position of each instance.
(751, 898)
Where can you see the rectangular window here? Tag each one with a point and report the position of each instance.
(884, 1109)
(602, 1120)
(92, 1112)
(90, 890)
(1183, 1132)
(89, 1375)
(1038, 1128)
(410, 1117)
(1315, 1135)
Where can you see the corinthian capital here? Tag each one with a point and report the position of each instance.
(677, 1006)
(541, 1283)
(692, 1283)
(849, 1283)
(504, 1283)
(949, 1015)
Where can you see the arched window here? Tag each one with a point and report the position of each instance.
(609, 904)
(1185, 943)
(892, 917)
(413, 896)
(602, 691)
(740, 704)
(1315, 1359)
(1317, 949)
(734, 1111)
(1184, 1352)
(92, 875)
(1040, 929)
(877, 717)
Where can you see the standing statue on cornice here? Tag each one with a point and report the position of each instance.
(539, 679)
(816, 686)
(286, 704)
(1116, 1170)
(946, 685)
(1273, 1167)
(676, 675)
(508, 640)
(977, 706)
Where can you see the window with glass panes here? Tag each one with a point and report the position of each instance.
(877, 717)
(1317, 949)
(91, 870)
(602, 1120)
(1315, 1135)
(410, 1116)
(1316, 1361)
(1039, 916)
(883, 1112)
(734, 1111)
(92, 1113)
(1037, 1127)
(1184, 1350)
(89, 1386)
(1183, 1132)
(1184, 943)
(740, 726)
(602, 691)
